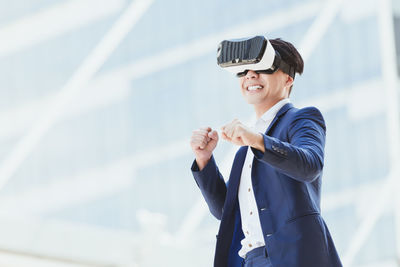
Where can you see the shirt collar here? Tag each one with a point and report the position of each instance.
(271, 113)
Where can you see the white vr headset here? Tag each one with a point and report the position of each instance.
(255, 53)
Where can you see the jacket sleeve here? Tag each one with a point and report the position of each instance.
(302, 158)
(212, 186)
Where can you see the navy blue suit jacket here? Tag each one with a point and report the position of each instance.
(287, 185)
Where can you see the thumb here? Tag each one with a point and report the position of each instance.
(213, 135)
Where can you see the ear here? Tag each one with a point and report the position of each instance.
(289, 81)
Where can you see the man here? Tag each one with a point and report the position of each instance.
(270, 206)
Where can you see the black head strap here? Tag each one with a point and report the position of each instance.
(286, 68)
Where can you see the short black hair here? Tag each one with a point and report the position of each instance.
(289, 54)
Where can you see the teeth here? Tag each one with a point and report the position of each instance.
(253, 87)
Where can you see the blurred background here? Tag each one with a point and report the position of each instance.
(99, 98)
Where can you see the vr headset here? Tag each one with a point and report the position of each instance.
(255, 53)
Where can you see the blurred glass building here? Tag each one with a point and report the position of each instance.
(99, 99)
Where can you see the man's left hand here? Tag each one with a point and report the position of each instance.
(241, 135)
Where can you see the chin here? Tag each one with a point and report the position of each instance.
(252, 99)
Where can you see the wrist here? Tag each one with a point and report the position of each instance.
(258, 142)
(202, 162)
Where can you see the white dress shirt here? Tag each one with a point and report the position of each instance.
(251, 226)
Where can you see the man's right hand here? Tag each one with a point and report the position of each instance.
(203, 143)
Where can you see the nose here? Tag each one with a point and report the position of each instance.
(251, 74)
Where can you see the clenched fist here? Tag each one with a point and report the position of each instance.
(241, 135)
(203, 143)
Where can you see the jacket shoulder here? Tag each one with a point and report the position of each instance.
(308, 113)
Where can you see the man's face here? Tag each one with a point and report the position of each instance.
(258, 89)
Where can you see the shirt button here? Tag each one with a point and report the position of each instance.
(250, 166)
(247, 232)
(251, 213)
(248, 190)
(250, 245)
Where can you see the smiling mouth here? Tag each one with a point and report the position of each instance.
(254, 87)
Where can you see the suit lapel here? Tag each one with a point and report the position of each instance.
(227, 225)
(234, 178)
(280, 113)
